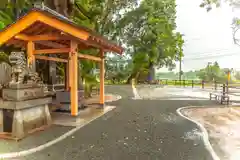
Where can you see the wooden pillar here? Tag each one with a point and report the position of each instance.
(102, 95)
(30, 55)
(73, 76)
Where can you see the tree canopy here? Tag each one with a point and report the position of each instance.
(212, 72)
(149, 32)
(146, 28)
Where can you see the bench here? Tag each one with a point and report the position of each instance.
(219, 97)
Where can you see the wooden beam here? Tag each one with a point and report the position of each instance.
(90, 57)
(22, 37)
(91, 44)
(34, 28)
(16, 43)
(52, 51)
(65, 27)
(44, 37)
(51, 58)
(51, 44)
(17, 27)
(42, 29)
(74, 78)
(11, 42)
(31, 58)
(102, 92)
(104, 46)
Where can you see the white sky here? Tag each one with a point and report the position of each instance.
(206, 34)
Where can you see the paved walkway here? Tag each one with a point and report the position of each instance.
(136, 129)
(180, 91)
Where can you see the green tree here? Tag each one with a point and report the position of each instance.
(212, 72)
(237, 75)
(151, 37)
(118, 68)
(3, 3)
(209, 4)
(147, 29)
(190, 75)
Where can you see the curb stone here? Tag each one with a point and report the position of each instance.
(50, 143)
(204, 131)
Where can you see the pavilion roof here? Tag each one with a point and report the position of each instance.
(51, 29)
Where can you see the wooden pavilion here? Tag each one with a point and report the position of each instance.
(44, 31)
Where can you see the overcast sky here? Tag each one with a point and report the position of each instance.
(208, 36)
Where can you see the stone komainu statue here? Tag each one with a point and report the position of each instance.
(21, 73)
(5, 74)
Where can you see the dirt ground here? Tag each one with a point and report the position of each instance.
(223, 126)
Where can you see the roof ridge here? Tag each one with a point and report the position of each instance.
(41, 6)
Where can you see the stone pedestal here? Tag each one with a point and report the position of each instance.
(21, 118)
(22, 92)
(23, 110)
(63, 98)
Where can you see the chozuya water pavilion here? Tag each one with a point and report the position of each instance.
(43, 32)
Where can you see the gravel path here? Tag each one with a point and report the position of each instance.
(136, 129)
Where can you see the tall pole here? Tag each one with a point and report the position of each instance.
(102, 92)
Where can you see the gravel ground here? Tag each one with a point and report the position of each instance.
(136, 129)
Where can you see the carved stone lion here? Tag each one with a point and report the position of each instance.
(5, 74)
(21, 73)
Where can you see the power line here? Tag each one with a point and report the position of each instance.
(197, 56)
(212, 56)
(210, 52)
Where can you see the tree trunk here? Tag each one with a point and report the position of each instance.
(16, 10)
(129, 80)
(63, 7)
(133, 75)
(137, 77)
(151, 74)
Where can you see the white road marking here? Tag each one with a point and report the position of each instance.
(205, 134)
(135, 92)
(48, 144)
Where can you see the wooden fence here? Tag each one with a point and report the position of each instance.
(225, 89)
(189, 83)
